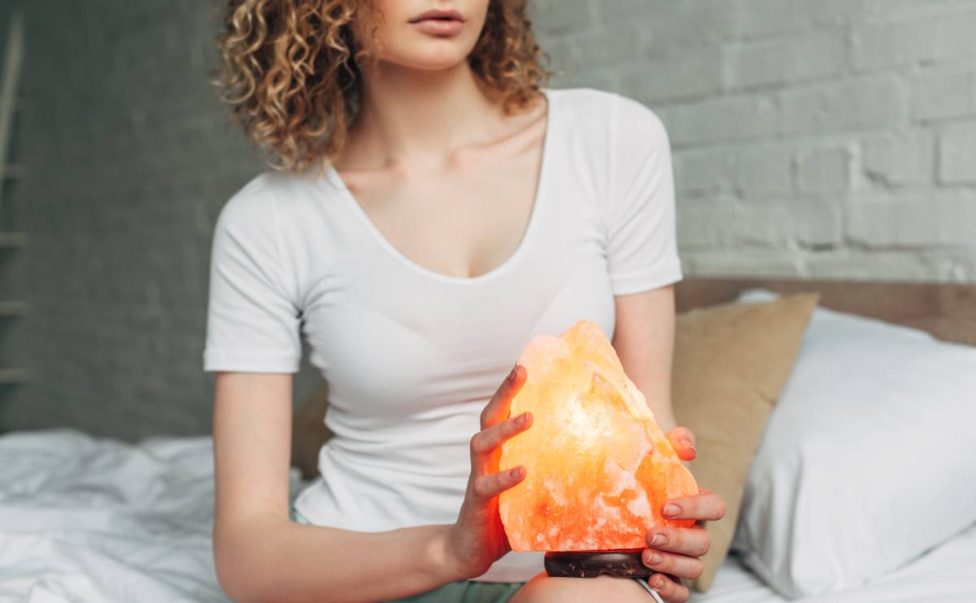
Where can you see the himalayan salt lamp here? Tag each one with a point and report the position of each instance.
(599, 469)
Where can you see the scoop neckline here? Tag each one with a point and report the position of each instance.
(531, 226)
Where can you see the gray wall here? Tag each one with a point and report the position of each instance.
(811, 137)
(13, 332)
(130, 158)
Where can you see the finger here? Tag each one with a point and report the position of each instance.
(705, 505)
(493, 484)
(686, 453)
(683, 441)
(685, 541)
(489, 440)
(681, 566)
(670, 591)
(497, 408)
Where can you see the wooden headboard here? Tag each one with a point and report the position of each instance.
(947, 310)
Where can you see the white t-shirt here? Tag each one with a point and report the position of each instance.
(412, 356)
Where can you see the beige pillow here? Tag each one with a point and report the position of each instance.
(731, 363)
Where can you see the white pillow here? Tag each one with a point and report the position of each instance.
(868, 458)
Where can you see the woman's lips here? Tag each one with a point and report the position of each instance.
(440, 27)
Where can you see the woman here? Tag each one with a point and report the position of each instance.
(459, 210)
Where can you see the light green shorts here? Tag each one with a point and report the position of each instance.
(463, 591)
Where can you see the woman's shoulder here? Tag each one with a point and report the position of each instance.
(612, 124)
(617, 134)
(249, 207)
(608, 108)
(268, 196)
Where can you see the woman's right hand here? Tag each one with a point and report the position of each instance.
(478, 538)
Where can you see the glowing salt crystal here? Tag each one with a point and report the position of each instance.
(599, 469)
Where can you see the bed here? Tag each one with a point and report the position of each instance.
(97, 519)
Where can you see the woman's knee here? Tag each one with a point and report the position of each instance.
(543, 589)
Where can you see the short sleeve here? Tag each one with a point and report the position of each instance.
(641, 244)
(253, 324)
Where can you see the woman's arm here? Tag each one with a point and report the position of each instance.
(644, 340)
(263, 556)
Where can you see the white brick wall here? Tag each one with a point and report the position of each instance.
(957, 155)
(812, 138)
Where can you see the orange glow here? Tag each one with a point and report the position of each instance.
(599, 469)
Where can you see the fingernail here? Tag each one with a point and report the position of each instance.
(671, 509)
(657, 582)
(516, 473)
(522, 418)
(653, 558)
(659, 539)
(686, 442)
(511, 374)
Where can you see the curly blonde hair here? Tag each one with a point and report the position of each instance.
(289, 70)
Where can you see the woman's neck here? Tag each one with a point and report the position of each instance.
(416, 119)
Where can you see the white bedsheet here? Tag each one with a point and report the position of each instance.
(946, 574)
(87, 519)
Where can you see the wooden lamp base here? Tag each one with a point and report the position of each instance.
(590, 564)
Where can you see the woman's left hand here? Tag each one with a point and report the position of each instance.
(674, 552)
